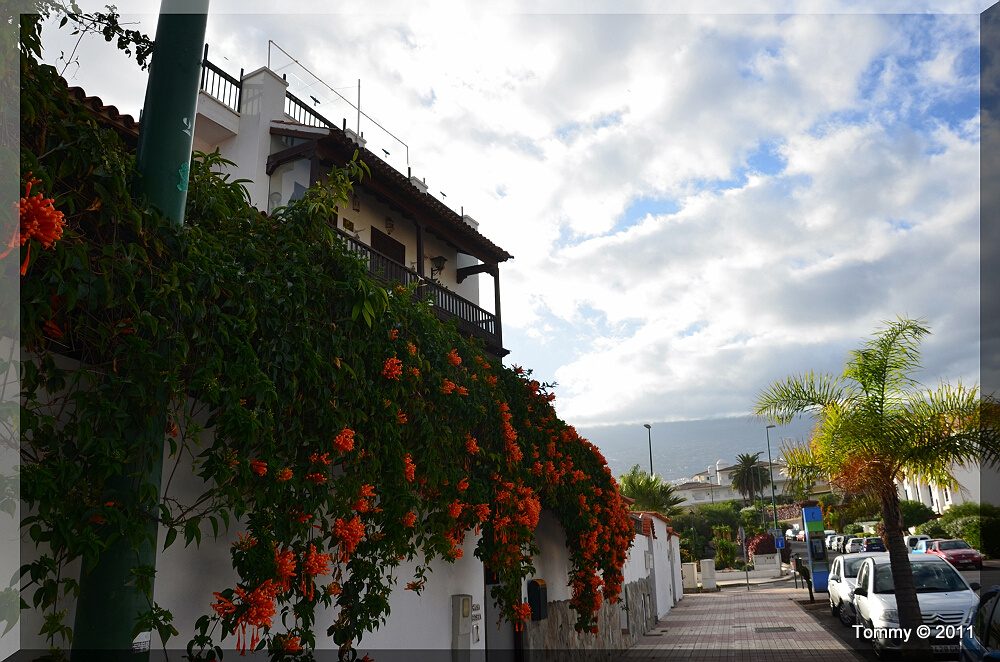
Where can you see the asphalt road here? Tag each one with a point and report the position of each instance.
(820, 609)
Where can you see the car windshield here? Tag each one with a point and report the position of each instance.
(927, 577)
(852, 566)
(953, 544)
(873, 541)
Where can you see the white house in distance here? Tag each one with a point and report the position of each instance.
(715, 484)
(941, 498)
(281, 145)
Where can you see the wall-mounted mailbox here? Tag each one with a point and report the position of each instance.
(538, 599)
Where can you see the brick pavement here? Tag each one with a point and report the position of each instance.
(764, 624)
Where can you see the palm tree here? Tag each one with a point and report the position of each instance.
(650, 492)
(875, 425)
(748, 476)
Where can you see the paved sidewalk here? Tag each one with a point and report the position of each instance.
(732, 579)
(764, 624)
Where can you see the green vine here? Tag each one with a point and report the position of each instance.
(340, 423)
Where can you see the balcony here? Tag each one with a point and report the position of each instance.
(472, 319)
(334, 146)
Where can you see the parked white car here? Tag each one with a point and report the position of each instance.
(945, 598)
(843, 578)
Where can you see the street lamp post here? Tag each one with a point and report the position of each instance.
(649, 434)
(760, 488)
(770, 474)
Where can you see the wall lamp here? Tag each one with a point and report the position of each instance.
(437, 265)
(390, 225)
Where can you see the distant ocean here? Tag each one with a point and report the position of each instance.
(684, 448)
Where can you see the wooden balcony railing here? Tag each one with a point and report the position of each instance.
(472, 319)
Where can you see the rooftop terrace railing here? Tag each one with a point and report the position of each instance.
(220, 85)
(299, 111)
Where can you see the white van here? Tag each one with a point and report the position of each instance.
(912, 541)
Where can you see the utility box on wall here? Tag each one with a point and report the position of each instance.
(538, 599)
(461, 621)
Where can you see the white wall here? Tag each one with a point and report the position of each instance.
(667, 566)
(424, 621)
(552, 564)
(635, 564)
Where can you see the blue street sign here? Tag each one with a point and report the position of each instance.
(779, 542)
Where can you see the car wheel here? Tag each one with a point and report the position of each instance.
(881, 652)
(847, 620)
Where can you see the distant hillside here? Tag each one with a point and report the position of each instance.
(684, 448)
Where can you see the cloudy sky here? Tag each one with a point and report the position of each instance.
(698, 204)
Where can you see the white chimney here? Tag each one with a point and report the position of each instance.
(421, 184)
(355, 138)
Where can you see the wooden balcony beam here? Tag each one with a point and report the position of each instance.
(465, 272)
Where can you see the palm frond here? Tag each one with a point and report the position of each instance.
(802, 465)
(940, 430)
(783, 401)
(883, 366)
(649, 492)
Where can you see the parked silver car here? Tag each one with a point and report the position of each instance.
(853, 545)
(947, 602)
(843, 578)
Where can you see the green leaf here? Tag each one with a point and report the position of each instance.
(170, 537)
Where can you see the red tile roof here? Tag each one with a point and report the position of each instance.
(126, 125)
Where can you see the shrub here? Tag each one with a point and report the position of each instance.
(725, 553)
(956, 528)
(764, 544)
(828, 500)
(852, 529)
(934, 529)
(274, 326)
(987, 545)
(915, 513)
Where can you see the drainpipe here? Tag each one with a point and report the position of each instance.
(108, 604)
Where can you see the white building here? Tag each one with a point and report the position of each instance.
(715, 484)
(281, 146)
(941, 498)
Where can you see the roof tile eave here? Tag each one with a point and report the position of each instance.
(453, 220)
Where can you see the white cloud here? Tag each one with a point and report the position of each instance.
(823, 168)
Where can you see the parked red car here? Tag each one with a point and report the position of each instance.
(956, 552)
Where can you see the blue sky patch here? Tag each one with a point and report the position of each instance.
(568, 132)
(643, 206)
(766, 159)
(691, 330)
(427, 100)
